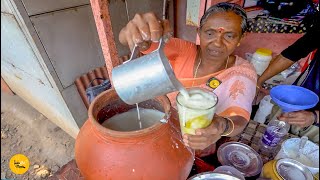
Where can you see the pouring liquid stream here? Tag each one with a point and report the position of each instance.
(186, 95)
(184, 92)
(139, 118)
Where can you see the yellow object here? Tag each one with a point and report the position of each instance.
(188, 131)
(269, 171)
(214, 83)
(264, 52)
(196, 123)
(19, 164)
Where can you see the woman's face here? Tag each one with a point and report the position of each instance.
(220, 35)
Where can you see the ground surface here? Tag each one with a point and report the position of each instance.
(26, 131)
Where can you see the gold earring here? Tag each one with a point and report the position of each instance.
(238, 44)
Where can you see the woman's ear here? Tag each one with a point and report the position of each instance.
(242, 36)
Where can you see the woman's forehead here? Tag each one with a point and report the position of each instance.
(228, 20)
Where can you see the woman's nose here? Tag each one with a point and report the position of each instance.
(218, 41)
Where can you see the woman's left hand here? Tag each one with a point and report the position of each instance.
(206, 136)
(298, 118)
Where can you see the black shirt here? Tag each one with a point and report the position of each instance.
(306, 44)
(309, 79)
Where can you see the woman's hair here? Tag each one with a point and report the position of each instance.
(226, 7)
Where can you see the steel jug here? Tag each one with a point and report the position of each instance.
(145, 77)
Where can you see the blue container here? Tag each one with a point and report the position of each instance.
(293, 98)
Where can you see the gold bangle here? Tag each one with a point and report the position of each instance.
(228, 133)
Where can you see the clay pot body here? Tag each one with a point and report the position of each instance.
(156, 152)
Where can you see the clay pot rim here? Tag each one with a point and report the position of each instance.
(127, 134)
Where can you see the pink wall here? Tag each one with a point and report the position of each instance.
(273, 41)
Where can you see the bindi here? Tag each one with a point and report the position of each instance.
(220, 29)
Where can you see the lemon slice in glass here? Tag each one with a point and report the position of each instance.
(198, 122)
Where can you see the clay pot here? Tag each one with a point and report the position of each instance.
(153, 153)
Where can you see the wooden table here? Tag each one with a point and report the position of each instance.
(250, 136)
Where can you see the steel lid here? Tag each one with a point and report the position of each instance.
(212, 176)
(241, 156)
(293, 170)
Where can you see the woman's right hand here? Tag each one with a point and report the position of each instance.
(144, 29)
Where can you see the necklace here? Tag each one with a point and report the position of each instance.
(196, 72)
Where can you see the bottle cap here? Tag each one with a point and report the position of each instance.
(264, 52)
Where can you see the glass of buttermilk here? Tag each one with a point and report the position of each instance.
(196, 109)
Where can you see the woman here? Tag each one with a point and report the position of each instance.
(221, 29)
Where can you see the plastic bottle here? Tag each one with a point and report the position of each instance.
(264, 110)
(291, 70)
(261, 59)
(274, 133)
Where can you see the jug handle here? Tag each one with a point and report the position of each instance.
(135, 51)
(134, 54)
(161, 44)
